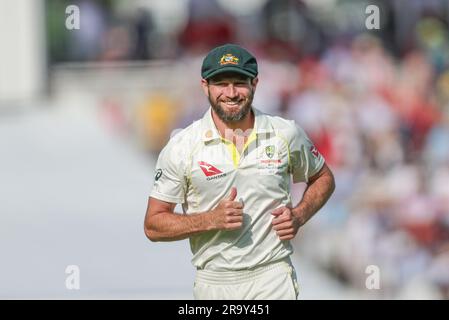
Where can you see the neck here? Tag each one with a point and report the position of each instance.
(227, 129)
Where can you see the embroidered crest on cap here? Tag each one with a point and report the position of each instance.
(229, 59)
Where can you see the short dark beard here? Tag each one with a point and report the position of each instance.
(225, 117)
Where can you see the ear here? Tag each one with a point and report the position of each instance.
(204, 85)
(254, 82)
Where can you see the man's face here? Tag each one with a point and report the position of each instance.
(230, 95)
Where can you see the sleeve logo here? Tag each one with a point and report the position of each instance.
(314, 151)
(158, 174)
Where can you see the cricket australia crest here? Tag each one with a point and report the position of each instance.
(269, 151)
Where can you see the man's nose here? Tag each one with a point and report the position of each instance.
(231, 91)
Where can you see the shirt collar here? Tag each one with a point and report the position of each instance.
(210, 131)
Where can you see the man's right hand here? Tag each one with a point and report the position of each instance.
(228, 214)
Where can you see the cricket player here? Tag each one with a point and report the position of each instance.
(231, 171)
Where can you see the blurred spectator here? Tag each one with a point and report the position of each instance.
(208, 26)
(93, 24)
(290, 30)
(154, 120)
(143, 26)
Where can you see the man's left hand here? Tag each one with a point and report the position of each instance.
(285, 223)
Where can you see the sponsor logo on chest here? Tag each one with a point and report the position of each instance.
(210, 171)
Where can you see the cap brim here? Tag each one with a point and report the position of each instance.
(231, 69)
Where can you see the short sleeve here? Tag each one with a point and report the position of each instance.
(305, 159)
(169, 178)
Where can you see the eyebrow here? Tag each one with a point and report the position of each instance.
(229, 79)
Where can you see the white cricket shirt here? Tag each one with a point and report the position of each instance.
(198, 168)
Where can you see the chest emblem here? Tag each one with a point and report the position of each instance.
(269, 151)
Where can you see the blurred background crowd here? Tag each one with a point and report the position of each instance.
(375, 103)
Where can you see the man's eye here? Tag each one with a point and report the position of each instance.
(225, 84)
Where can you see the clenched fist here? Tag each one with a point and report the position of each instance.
(285, 223)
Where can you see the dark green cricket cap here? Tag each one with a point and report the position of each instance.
(229, 58)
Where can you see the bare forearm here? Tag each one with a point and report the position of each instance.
(315, 196)
(173, 226)
(162, 224)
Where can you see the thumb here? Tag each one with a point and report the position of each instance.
(233, 194)
(278, 211)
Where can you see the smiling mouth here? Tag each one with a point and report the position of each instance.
(231, 103)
